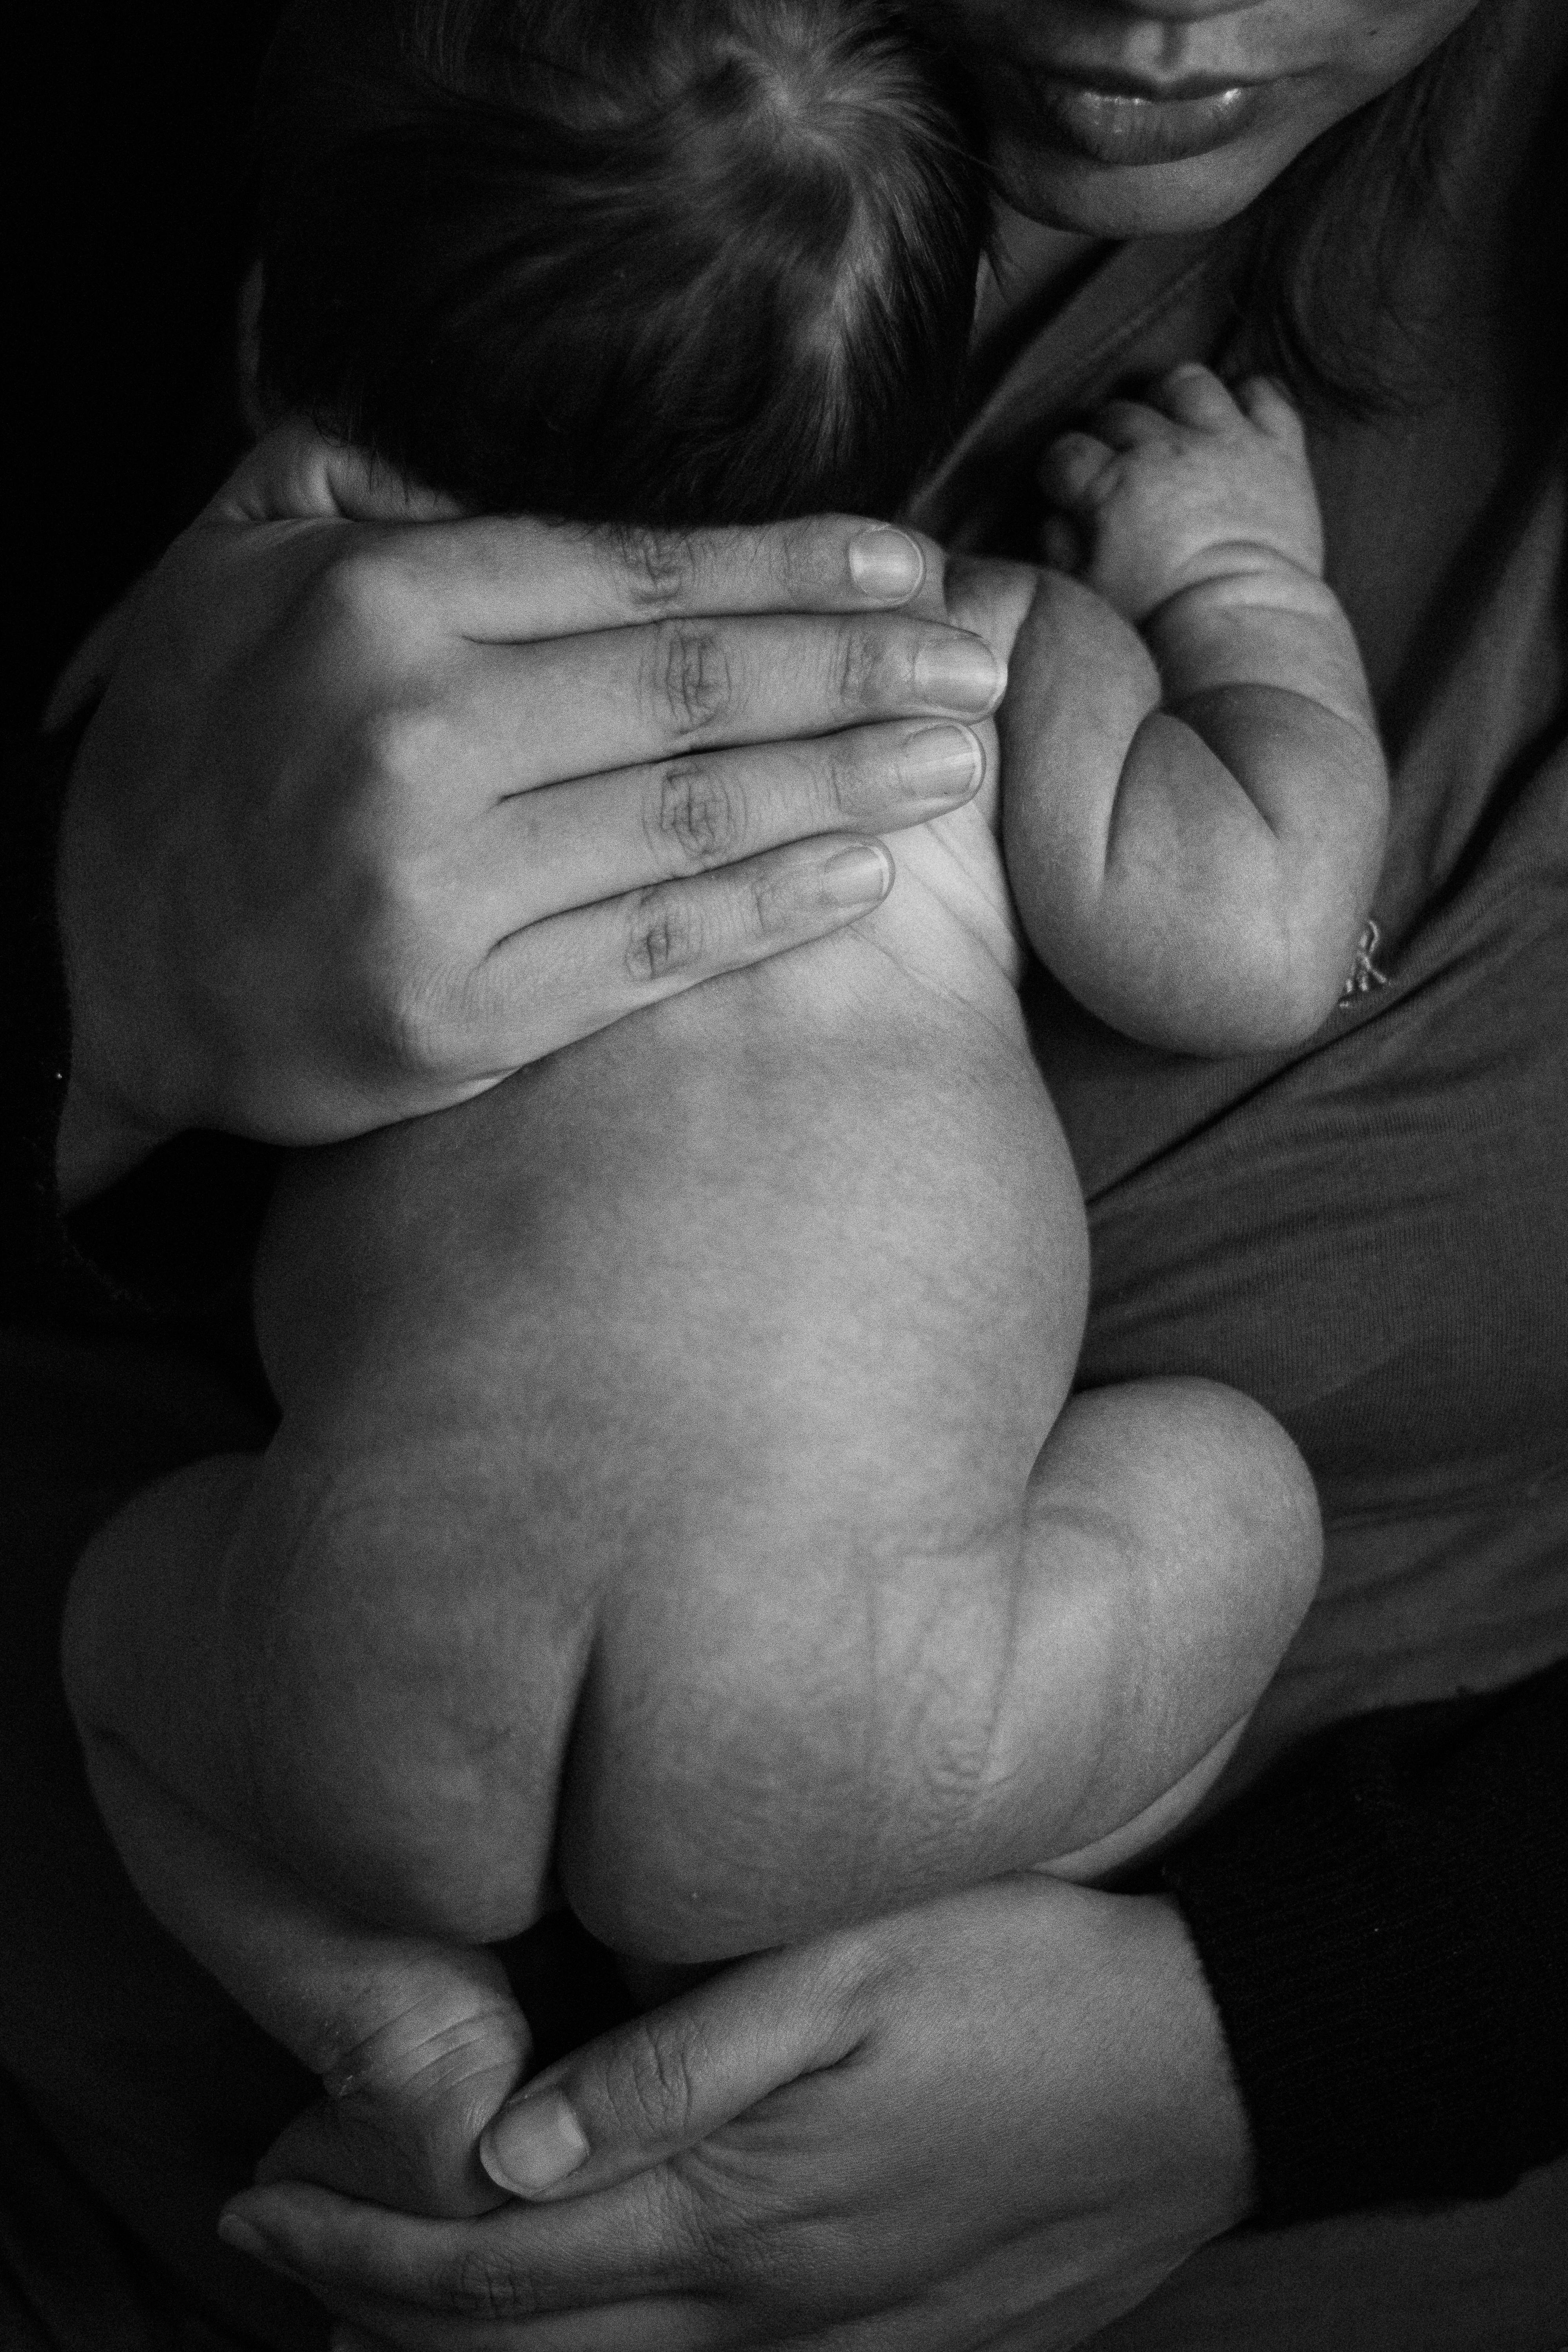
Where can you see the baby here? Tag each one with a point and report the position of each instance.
(679, 1497)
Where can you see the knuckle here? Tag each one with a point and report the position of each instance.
(401, 750)
(861, 668)
(482, 2284)
(759, 905)
(691, 686)
(656, 2089)
(660, 567)
(698, 815)
(794, 557)
(839, 781)
(664, 935)
(354, 594)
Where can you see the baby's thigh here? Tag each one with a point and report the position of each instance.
(408, 1695)
(1174, 1546)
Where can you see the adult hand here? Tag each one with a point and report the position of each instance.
(999, 2119)
(381, 803)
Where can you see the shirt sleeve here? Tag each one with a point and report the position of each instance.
(1383, 1922)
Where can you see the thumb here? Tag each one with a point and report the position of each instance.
(296, 473)
(638, 2096)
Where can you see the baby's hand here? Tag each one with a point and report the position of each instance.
(1191, 485)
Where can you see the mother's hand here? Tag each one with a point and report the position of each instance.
(381, 804)
(999, 2119)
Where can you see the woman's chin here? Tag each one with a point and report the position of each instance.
(1174, 197)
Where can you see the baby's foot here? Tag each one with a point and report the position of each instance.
(1191, 485)
(428, 2044)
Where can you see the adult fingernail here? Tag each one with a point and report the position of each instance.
(886, 563)
(533, 2144)
(945, 762)
(959, 673)
(860, 876)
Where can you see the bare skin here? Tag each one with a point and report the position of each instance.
(380, 806)
(870, 1637)
(715, 1378)
(1196, 802)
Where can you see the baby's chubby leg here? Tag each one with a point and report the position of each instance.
(1174, 1547)
(417, 2042)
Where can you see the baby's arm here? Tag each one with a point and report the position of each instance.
(1194, 796)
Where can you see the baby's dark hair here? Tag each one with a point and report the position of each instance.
(647, 261)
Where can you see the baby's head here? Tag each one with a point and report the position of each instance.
(650, 261)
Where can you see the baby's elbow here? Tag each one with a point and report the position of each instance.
(1274, 990)
(1271, 1021)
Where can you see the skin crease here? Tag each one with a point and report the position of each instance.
(943, 2169)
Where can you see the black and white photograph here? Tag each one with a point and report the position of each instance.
(784, 1322)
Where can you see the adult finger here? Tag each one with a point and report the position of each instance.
(621, 697)
(565, 845)
(504, 579)
(637, 2097)
(514, 2264)
(648, 2323)
(510, 578)
(563, 978)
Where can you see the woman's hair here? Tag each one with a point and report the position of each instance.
(650, 261)
(1338, 297)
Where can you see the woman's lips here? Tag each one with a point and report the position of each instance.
(1115, 125)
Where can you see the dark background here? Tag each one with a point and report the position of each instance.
(128, 240)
